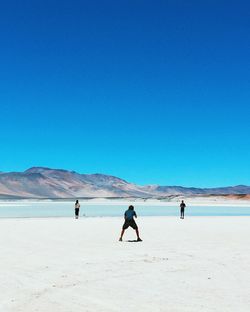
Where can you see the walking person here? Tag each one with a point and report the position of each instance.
(129, 221)
(77, 208)
(182, 206)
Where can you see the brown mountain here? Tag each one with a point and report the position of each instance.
(40, 182)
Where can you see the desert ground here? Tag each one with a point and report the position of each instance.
(68, 265)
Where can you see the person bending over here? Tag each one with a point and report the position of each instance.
(129, 221)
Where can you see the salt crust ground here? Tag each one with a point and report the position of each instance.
(64, 265)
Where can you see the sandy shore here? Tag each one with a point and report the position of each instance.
(64, 265)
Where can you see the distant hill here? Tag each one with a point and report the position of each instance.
(41, 182)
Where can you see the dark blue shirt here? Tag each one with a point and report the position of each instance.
(130, 214)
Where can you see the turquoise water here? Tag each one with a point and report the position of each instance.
(66, 209)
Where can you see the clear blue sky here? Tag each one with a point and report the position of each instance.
(155, 92)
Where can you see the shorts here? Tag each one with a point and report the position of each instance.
(129, 223)
(76, 211)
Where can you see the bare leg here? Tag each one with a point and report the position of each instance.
(122, 234)
(138, 236)
(137, 233)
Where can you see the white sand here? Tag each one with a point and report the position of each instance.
(64, 265)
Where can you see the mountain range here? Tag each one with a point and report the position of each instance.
(42, 182)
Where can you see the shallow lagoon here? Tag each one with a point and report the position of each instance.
(16, 209)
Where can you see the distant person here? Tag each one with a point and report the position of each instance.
(77, 208)
(182, 206)
(129, 221)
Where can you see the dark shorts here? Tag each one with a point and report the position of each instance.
(129, 223)
(76, 211)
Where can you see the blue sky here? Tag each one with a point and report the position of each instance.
(155, 92)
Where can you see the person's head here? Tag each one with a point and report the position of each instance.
(77, 201)
(182, 201)
(131, 207)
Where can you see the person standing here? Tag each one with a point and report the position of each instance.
(77, 209)
(129, 221)
(182, 206)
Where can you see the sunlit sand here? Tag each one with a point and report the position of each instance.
(63, 265)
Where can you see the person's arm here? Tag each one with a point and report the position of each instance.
(135, 214)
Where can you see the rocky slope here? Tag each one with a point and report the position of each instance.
(40, 182)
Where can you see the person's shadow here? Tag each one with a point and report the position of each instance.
(132, 241)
